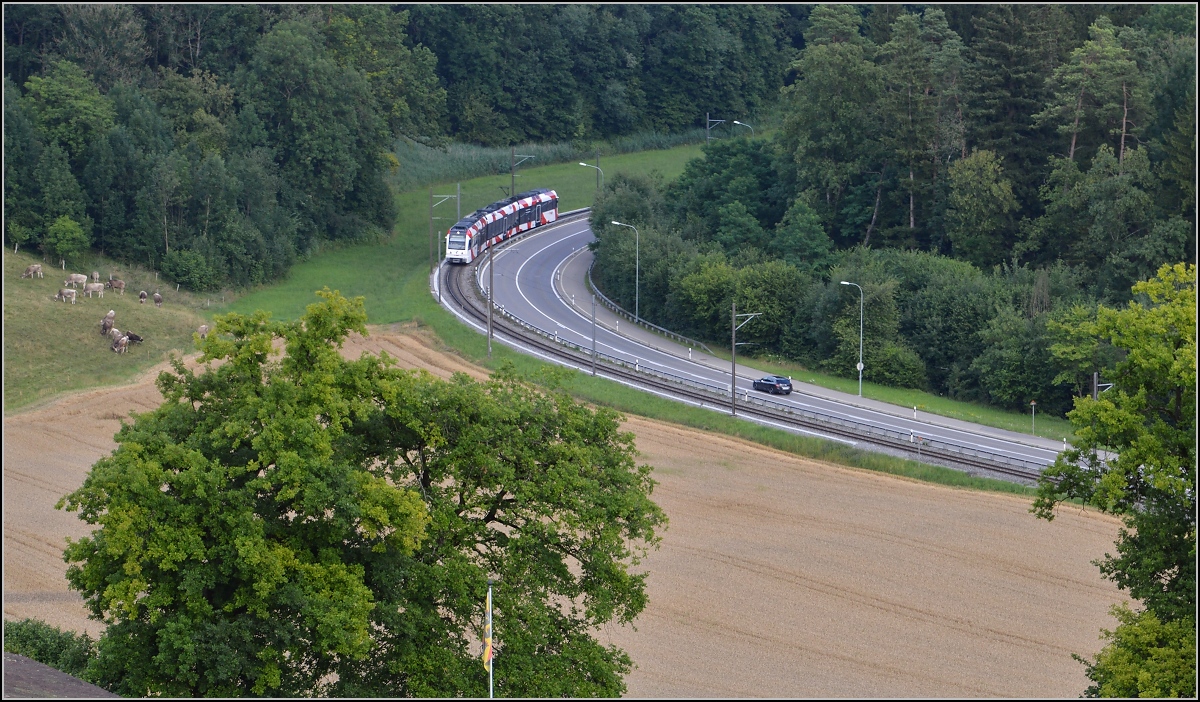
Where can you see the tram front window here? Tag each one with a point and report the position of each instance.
(457, 243)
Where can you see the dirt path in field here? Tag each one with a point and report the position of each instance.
(778, 576)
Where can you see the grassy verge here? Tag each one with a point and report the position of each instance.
(424, 165)
(52, 348)
(1048, 427)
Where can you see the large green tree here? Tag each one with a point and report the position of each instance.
(67, 107)
(1135, 455)
(311, 525)
(833, 123)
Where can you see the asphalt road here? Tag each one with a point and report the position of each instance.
(541, 279)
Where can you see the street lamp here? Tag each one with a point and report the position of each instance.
(744, 125)
(597, 168)
(637, 271)
(860, 333)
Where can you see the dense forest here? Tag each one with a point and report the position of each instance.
(986, 186)
(218, 143)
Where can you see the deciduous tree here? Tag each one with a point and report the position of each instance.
(1134, 455)
(312, 525)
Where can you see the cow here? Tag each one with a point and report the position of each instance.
(75, 279)
(203, 331)
(133, 338)
(142, 297)
(89, 288)
(114, 333)
(65, 294)
(95, 276)
(121, 345)
(107, 322)
(34, 270)
(116, 284)
(157, 300)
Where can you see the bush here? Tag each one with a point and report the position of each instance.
(64, 650)
(191, 270)
(65, 238)
(898, 366)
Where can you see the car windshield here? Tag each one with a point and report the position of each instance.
(457, 242)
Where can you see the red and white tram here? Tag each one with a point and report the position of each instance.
(485, 227)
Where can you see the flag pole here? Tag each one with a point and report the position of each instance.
(488, 643)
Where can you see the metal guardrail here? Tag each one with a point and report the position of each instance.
(721, 393)
(838, 424)
(620, 311)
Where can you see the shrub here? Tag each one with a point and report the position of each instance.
(191, 270)
(64, 650)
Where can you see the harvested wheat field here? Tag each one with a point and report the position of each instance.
(778, 576)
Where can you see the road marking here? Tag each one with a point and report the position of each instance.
(867, 416)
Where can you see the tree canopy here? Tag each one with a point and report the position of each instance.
(312, 525)
(1134, 455)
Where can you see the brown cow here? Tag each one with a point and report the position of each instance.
(142, 297)
(32, 271)
(157, 300)
(116, 284)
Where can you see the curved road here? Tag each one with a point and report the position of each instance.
(540, 279)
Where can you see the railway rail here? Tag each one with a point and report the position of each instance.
(461, 288)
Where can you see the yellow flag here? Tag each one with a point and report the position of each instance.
(487, 635)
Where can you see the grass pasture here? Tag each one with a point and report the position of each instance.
(52, 347)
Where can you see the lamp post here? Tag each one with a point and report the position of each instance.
(744, 125)
(598, 169)
(860, 333)
(637, 270)
(1033, 417)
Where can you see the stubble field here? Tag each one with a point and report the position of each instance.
(778, 576)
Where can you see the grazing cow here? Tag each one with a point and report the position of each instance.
(133, 338)
(142, 297)
(106, 324)
(74, 279)
(116, 284)
(66, 294)
(89, 288)
(95, 276)
(157, 300)
(121, 345)
(32, 271)
(203, 331)
(115, 333)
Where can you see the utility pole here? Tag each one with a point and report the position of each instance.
(598, 183)
(435, 241)
(734, 326)
(708, 123)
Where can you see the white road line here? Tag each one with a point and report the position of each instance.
(879, 419)
(711, 406)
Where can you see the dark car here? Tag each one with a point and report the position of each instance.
(774, 384)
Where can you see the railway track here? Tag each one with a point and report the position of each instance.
(461, 291)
